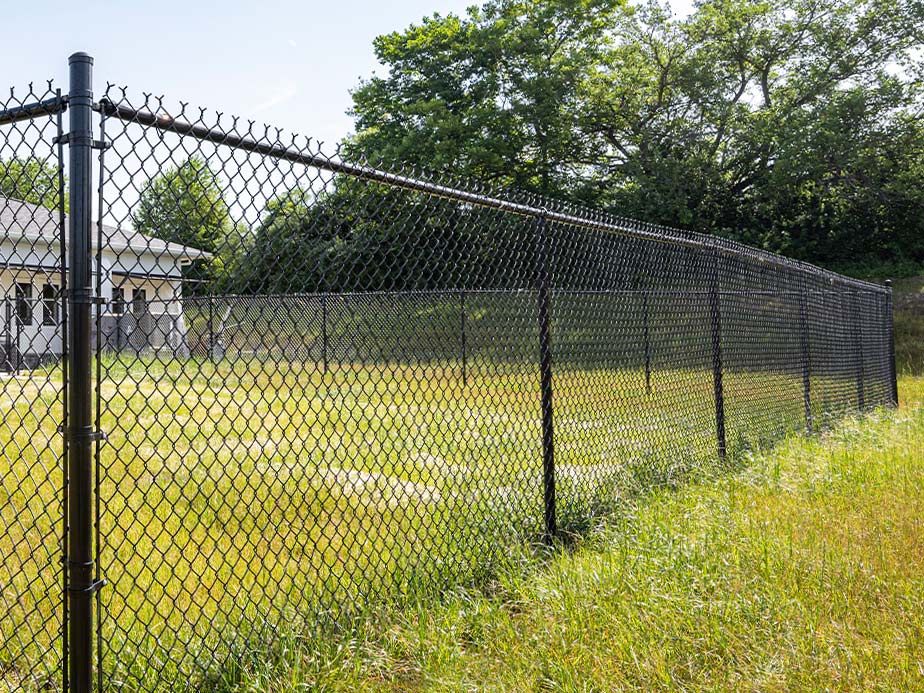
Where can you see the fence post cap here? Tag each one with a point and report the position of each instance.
(80, 57)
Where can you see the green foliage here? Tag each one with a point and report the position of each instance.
(495, 95)
(362, 236)
(185, 205)
(796, 126)
(31, 179)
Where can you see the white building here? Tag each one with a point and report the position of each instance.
(140, 284)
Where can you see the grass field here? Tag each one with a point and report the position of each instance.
(802, 571)
(909, 325)
(240, 498)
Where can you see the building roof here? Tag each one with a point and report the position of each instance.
(29, 222)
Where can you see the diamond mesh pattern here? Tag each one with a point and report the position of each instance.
(32, 393)
(326, 384)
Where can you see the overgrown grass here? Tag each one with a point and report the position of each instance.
(909, 325)
(877, 270)
(240, 499)
(803, 571)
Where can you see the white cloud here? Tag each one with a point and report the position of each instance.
(292, 43)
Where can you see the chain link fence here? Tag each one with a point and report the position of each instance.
(290, 385)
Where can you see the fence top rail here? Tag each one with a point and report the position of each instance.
(538, 207)
(450, 292)
(31, 111)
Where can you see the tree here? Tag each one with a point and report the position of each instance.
(31, 179)
(493, 95)
(692, 115)
(356, 236)
(779, 122)
(185, 205)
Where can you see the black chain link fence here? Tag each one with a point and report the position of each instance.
(324, 385)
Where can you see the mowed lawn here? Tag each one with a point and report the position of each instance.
(238, 499)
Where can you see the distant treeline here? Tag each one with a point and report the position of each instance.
(797, 127)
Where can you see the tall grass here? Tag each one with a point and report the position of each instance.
(909, 326)
(801, 571)
(238, 498)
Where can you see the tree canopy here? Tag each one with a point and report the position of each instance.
(792, 124)
(31, 179)
(185, 204)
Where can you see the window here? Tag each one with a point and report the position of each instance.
(50, 306)
(118, 300)
(139, 300)
(24, 303)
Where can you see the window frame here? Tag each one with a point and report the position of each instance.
(51, 307)
(24, 309)
(118, 304)
(139, 300)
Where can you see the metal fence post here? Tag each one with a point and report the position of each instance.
(890, 334)
(464, 340)
(324, 330)
(805, 348)
(716, 311)
(211, 303)
(17, 338)
(858, 351)
(647, 342)
(80, 430)
(545, 368)
(7, 335)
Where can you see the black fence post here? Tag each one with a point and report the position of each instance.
(647, 341)
(805, 347)
(211, 303)
(890, 333)
(858, 350)
(545, 368)
(17, 337)
(324, 330)
(7, 335)
(80, 429)
(464, 340)
(716, 311)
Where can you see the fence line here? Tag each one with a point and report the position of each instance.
(594, 221)
(284, 384)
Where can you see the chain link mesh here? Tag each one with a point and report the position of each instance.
(325, 385)
(32, 392)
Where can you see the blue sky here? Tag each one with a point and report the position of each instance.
(287, 63)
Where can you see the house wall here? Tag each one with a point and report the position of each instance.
(18, 340)
(159, 324)
(30, 342)
(163, 295)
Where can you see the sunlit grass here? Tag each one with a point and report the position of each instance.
(802, 571)
(241, 496)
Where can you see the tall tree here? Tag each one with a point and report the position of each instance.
(493, 95)
(693, 114)
(30, 179)
(754, 119)
(185, 205)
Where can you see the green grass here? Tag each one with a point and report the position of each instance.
(240, 499)
(909, 325)
(803, 571)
